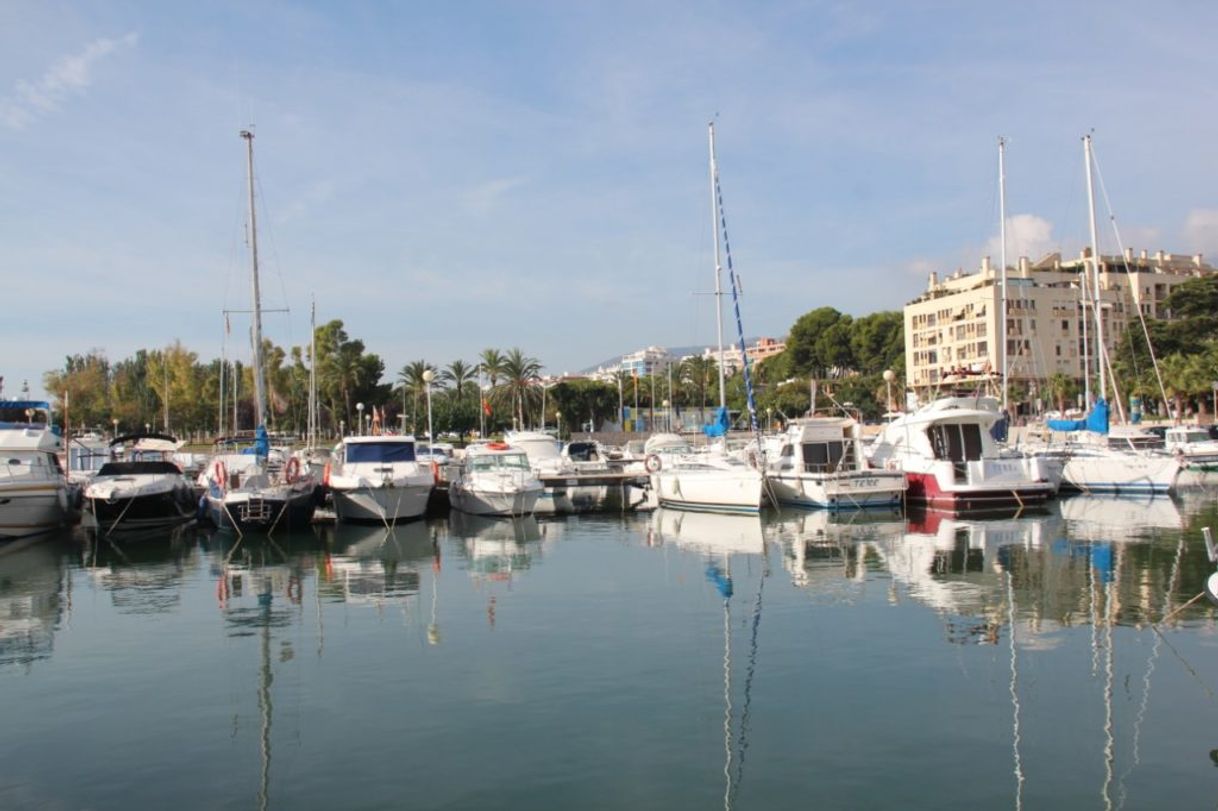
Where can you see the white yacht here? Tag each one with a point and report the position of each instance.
(951, 462)
(33, 489)
(143, 490)
(709, 480)
(1096, 459)
(569, 482)
(495, 479)
(819, 462)
(379, 478)
(1197, 452)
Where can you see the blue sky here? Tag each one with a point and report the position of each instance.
(446, 177)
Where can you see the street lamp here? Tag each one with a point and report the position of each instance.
(667, 417)
(360, 408)
(428, 376)
(114, 422)
(889, 376)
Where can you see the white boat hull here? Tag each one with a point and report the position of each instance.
(388, 503)
(710, 489)
(479, 501)
(32, 507)
(839, 491)
(1120, 473)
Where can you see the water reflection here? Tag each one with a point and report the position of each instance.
(144, 576)
(378, 565)
(496, 549)
(31, 603)
(821, 547)
(723, 539)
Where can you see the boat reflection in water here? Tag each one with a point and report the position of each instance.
(143, 573)
(825, 548)
(377, 565)
(732, 544)
(32, 600)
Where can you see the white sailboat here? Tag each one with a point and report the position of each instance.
(1095, 461)
(713, 480)
(245, 491)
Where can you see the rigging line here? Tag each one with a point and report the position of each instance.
(1150, 669)
(1135, 299)
(742, 737)
(1019, 776)
(727, 704)
(274, 253)
(734, 281)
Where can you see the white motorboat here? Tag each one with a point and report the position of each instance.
(379, 478)
(494, 479)
(819, 462)
(33, 489)
(951, 461)
(569, 483)
(87, 452)
(1197, 452)
(143, 490)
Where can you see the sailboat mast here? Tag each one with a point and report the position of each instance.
(1002, 229)
(714, 174)
(313, 374)
(256, 335)
(1095, 267)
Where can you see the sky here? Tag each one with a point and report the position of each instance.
(450, 177)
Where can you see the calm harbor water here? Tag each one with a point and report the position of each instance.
(666, 660)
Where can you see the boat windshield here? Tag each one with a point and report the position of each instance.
(500, 461)
(383, 452)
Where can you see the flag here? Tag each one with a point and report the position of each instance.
(486, 407)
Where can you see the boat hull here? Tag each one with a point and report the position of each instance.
(488, 502)
(1120, 474)
(256, 512)
(151, 511)
(849, 491)
(709, 490)
(32, 508)
(381, 504)
(925, 490)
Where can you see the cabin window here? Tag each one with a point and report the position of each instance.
(956, 443)
(823, 457)
(383, 452)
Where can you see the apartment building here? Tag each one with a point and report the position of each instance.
(953, 331)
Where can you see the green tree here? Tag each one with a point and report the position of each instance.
(521, 374)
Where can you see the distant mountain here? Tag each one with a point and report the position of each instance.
(678, 351)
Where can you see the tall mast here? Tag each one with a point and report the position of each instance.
(313, 374)
(1002, 217)
(714, 175)
(256, 335)
(1095, 267)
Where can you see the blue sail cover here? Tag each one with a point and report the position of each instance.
(720, 425)
(262, 443)
(1001, 427)
(1096, 421)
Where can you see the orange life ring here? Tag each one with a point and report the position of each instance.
(497, 446)
(653, 463)
(219, 475)
(291, 472)
(325, 475)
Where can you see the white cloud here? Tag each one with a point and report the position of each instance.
(1027, 235)
(69, 76)
(1201, 231)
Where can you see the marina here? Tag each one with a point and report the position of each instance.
(663, 659)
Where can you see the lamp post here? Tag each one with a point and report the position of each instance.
(667, 417)
(428, 376)
(114, 422)
(359, 407)
(342, 428)
(889, 376)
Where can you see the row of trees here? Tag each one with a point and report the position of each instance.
(171, 388)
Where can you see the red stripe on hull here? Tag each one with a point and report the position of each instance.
(924, 489)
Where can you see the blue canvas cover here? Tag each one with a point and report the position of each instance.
(720, 424)
(1096, 421)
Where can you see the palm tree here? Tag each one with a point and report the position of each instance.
(1062, 387)
(461, 375)
(696, 373)
(341, 373)
(521, 374)
(411, 378)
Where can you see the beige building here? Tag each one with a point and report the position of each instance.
(952, 331)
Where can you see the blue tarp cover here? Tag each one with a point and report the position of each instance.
(720, 425)
(1096, 421)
